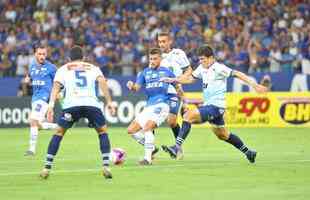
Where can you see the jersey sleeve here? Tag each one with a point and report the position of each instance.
(59, 76)
(140, 79)
(97, 72)
(53, 71)
(182, 59)
(223, 70)
(197, 73)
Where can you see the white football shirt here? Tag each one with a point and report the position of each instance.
(214, 81)
(176, 60)
(80, 85)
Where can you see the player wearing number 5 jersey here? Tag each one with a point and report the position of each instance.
(81, 81)
(157, 107)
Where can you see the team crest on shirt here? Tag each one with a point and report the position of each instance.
(162, 74)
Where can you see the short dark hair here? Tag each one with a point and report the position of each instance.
(38, 46)
(76, 53)
(162, 34)
(153, 51)
(205, 50)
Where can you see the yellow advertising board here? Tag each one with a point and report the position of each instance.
(274, 109)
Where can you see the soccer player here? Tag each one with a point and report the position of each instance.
(42, 73)
(177, 61)
(80, 81)
(157, 107)
(214, 77)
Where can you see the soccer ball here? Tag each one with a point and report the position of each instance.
(117, 156)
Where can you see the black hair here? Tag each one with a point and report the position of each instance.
(76, 53)
(205, 50)
(38, 46)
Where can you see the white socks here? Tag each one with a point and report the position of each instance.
(33, 138)
(149, 145)
(139, 137)
(47, 125)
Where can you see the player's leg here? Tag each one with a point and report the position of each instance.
(174, 105)
(105, 148)
(47, 125)
(65, 121)
(52, 151)
(149, 145)
(189, 117)
(233, 139)
(135, 129)
(97, 120)
(38, 110)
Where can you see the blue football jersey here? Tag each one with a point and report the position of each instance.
(155, 90)
(42, 76)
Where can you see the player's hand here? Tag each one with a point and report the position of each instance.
(168, 80)
(112, 108)
(130, 85)
(50, 114)
(260, 88)
(27, 79)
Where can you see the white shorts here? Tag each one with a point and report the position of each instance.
(38, 110)
(157, 113)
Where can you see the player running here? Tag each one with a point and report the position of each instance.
(157, 107)
(214, 78)
(177, 61)
(41, 73)
(80, 81)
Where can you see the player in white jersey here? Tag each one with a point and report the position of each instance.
(81, 81)
(177, 61)
(214, 77)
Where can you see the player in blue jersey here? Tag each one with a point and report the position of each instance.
(157, 106)
(41, 73)
(81, 81)
(214, 78)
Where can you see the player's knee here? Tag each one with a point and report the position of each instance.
(172, 122)
(130, 130)
(60, 131)
(189, 117)
(221, 134)
(34, 123)
(101, 130)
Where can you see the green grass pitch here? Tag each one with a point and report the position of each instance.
(211, 169)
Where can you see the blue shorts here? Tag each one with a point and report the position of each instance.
(174, 104)
(212, 114)
(71, 115)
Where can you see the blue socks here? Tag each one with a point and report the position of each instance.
(186, 127)
(176, 131)
(237, 142)
(105, 148)
(52, 150)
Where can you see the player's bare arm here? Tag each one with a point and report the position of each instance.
(133, 86)
(183, 79)
(104, 88)
(188, 71)
(53, 97)
(258, 88)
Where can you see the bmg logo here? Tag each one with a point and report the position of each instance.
(295, 112)
(250, 104)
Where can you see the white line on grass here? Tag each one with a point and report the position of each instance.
(168, 166)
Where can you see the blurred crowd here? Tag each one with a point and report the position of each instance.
(248, 35)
